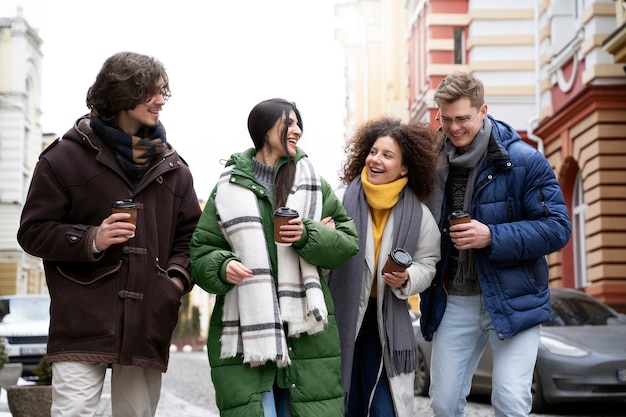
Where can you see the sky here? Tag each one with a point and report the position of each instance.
(222, 57)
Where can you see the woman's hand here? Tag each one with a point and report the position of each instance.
(236, 272)
(292, 231)
(328, 221)
(396, 279)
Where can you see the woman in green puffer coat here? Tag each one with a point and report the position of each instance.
(273, 342)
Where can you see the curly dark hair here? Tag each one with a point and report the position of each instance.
(125, 80)
(415, 141)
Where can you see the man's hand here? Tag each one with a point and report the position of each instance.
(113, 230)
(472, 235)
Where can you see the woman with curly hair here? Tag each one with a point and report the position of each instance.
(390, 168)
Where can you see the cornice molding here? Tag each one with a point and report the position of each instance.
(591, 99)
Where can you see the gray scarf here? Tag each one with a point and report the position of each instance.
(473, 159)
(346, 282)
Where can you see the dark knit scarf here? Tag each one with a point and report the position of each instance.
(451, 160)
(346, 282)
(135, 154)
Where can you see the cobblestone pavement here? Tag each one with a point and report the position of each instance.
(187, 391)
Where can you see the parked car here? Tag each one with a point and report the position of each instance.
(581, 357)
(24, 323)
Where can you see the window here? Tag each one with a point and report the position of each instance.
(565, 23)
(579, 311)
(578, 234)
(459, 46)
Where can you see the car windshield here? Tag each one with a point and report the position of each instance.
(17, 310)
(578, 311)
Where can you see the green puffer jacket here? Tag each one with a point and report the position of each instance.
(313, 378)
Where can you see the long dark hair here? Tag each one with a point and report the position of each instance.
(261, 119)
(125, 80)
(415, 141)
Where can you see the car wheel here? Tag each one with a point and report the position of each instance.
(422, 375)
(539, 402)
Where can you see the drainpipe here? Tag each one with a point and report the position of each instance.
(534, 120)
(539, 141)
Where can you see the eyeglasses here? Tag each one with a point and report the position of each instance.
(461, 121)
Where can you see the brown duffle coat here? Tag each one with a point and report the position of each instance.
(119, 306)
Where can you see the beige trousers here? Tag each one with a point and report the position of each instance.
(77, 388)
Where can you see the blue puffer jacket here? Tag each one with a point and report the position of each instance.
(517, 195)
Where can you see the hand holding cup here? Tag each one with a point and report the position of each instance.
(126, 206)
(459, 217)
(282, 216)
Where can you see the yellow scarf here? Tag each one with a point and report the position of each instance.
(380, 198)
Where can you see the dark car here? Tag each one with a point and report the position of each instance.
(24, 323)
(582, 354)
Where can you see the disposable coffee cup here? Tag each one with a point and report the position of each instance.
(282, 215)
(397, 261)
(126, 206)
(458, 217)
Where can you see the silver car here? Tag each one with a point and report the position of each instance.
(582, 354)
(24, 323)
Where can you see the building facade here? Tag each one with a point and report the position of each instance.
(21, 141)
(582, 123)
(554, 70)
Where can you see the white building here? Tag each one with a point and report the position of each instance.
(21, 141)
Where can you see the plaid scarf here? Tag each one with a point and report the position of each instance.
(254, 311)
(135, 154)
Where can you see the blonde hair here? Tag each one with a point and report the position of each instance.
(458, 85)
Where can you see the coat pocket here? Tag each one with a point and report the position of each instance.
(86, 273)
(163, 315)
(84, 300)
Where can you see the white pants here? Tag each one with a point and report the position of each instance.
(77, 387)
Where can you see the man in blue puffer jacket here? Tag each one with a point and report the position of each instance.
(492, 280)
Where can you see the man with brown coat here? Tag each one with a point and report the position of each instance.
(115, 287)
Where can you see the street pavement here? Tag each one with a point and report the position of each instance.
(187, 391)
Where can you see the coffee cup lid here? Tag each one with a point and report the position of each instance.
(125, 203)
(286, 212)
(459, 214)
(401, 257)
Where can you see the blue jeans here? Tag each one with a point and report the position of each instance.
(276, 403)
(458, 345)
(269, 406)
